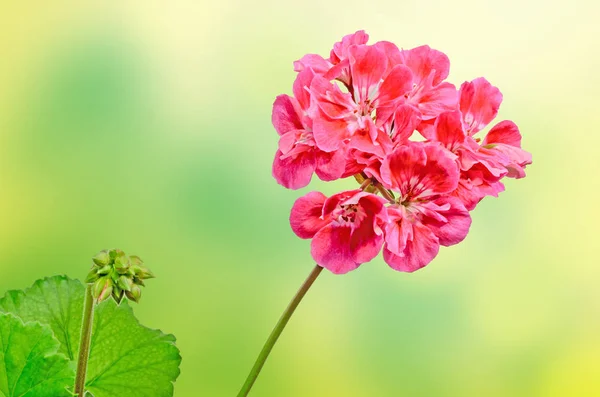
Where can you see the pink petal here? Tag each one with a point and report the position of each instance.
(395, 85)
(449, 130)
(305, 217)
(436, 100)
(420, 170)
(392, 53)
(452, 222)
(472, 191)
(294, 172)
(406, 120)
(505, 132)
(288, 140)
(479, 103)
(370, 139)
(331, 248)
(284, 116)
(365, 244)
(330, 100)
(418, 252)
(519, 159)
(340, 72)
(330, 166)
(505, 138)
(301, 88)
(468, 194)
(491, 164)
(312, 61)
(427, 129)
(397, 231)
(367, 66)
(424, 61)
(330, 134)
(340, 49)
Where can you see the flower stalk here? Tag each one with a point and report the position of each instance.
(285, 317)
(84, 345)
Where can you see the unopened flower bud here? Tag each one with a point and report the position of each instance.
(136, 260)
(106, 292)
(135, 294)
(102, 258)
(121, 263)
(92, 276)
(143, 273)
(99, 287)
(125, 283)
(105, 270)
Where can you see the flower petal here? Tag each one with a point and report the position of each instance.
(312, 61)
(305, 217)
(330, 134)
(330, 166)
(395, 85)
(294, 172)
(301, 88)
(420, 170)
(479, 104)
(505, 132)
(433, 101)
(452, 221)
(331, 248)
(424, 61)
(340, 49)
(449, 130)
(406, 120)
(284, 116)
(505, 138)
(367, 66)
(418, 252)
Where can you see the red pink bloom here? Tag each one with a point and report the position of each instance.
(355, 113)
(346, 229)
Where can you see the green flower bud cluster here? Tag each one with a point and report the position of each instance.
(118, 275)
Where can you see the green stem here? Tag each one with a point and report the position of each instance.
(285, 317)
(84, 344)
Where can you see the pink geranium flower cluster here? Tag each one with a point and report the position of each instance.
(355, 114)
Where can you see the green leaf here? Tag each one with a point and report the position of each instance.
(126, 358)
(56, 301)
(29, 363)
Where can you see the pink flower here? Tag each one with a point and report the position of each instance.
(424, 216)
(482, 165)
(348, 118)
(479, 104)
(346, 229)
(298, 157)
(354, 114)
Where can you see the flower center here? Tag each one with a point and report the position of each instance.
(348, 215)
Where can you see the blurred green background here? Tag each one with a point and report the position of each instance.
(145, 125)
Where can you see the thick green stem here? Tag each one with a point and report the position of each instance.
(84, 344)
(285, 317)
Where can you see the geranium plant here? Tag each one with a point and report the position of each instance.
(387, 118)
(62, 337)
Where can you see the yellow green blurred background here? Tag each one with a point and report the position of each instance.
(145, 125)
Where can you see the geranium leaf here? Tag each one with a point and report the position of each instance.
(30, 365)
(126, 358)
(56, 301)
